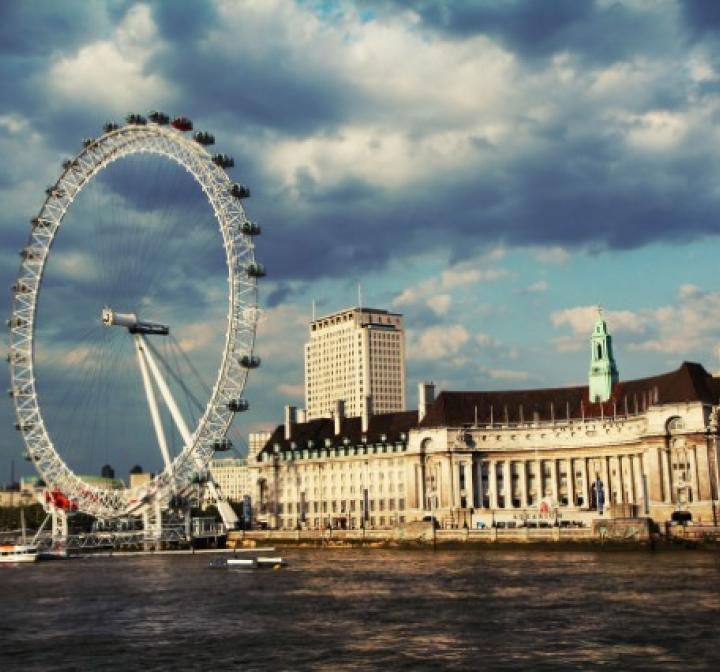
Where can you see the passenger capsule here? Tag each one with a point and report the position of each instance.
(221, 445)
(223, 160)
(204, 138)
(250, 228)
(136, 120)
(110, 126)
(159, 118)
(182, 124)
(87, 142)
(249, 361)
(238, 405)
(54, 192)
(240, 191)
(255, 270)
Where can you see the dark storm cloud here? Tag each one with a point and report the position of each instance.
(247, 80)
(535, 29)
(38, 29)
(702, 16)
(574, 191)
(182, 22)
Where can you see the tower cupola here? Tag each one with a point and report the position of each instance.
(603, 372)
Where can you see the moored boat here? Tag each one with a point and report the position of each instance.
(18, 553)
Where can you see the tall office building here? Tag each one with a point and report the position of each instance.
(351, 355)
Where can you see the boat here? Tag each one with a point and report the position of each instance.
(18, 553)
(23, 552)
(248, 563)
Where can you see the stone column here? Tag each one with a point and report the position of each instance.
(522, 465)
(507, 484)
(694, 476)
(638, 480)
(479, 484)
(585, 482)
(469, 484)
(629, 479)
(493, 484)
(571, 483)
(667, 483)
(606, 481)
(616, 462)
(653, 470)
(554, 482)
(703, 472)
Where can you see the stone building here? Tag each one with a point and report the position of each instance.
(511, 458)
(231, 475)
(354, 354)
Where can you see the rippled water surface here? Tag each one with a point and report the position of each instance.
(367, 610)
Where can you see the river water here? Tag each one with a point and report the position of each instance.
(370, 609)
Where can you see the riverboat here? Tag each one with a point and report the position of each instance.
(18, 553)
(248, 563)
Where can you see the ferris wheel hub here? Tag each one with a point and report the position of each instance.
(131, 322)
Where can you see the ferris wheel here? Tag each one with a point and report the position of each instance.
(136, 333)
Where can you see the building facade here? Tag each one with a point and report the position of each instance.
(352, 355)
(231, 475)
(510, 458)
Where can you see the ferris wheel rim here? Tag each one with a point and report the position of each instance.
(239, 340)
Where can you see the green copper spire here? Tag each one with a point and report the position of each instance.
(603, 372)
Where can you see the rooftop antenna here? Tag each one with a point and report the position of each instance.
(360, 296)
(314, 310)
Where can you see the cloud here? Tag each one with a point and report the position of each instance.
(440, 304)
(539, 287)
(113, 72)
(552, 255)
(582, 318)
(508, 375)
(455, 277)
(291, 390)
(436, 342)
(685, 327)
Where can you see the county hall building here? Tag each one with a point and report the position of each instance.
(565, 456)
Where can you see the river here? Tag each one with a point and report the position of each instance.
(367, 609)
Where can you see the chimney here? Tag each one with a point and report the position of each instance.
(339, 415)
(290, 420)
(426, 396)
(301, 416)
(367, 411)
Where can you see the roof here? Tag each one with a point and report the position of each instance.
(391, 425)
(691, 382)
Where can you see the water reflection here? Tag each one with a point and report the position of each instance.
(366, 610)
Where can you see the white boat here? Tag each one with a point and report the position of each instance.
(264, 561)
(248, 563)
(18, 553)
(241, 562)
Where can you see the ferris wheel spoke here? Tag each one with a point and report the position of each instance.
(152, 401)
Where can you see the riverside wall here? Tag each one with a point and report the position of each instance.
(636, 531)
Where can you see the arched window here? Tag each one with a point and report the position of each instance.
(598, 354)
(674, 424)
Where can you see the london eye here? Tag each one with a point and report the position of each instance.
(134, 315)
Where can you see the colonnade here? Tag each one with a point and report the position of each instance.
(507, 483)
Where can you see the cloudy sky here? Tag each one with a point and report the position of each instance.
(492, 170)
